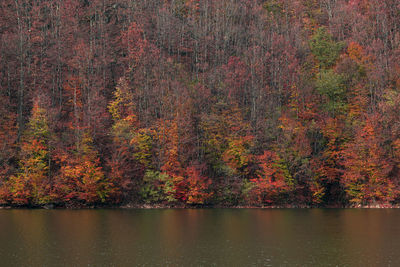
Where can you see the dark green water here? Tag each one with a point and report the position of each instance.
(205, 237)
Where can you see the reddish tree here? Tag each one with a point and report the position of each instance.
(272, 183)
(366, 175)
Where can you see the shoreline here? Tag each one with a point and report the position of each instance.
(178, 206)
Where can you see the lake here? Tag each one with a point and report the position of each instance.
(200, 237)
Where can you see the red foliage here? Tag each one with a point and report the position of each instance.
(271, 180)
(213, 82)
(236, 77)
(366, 175)
(198, 187)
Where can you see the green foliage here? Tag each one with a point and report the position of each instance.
(121, 105)
(143, 147)
(38, 125)
(317, 191)
(182, 105)
(30, 185)
(324, 48)
(169, 188)
(121, 110)
(230, 191)
(248, 188)
(123, 130)
(237, 156)
(153, 187)
(274, 7)
(355, 192)
(332, 86)
(225, 140)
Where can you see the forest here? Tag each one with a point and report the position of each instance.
(199, 102)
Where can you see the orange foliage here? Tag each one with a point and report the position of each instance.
(366, 174)
(198, 187)
(81, 178)
(271, 181)
(238, 156)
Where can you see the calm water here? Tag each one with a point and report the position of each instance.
(222, 237)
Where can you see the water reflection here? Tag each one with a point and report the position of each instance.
(228, 237)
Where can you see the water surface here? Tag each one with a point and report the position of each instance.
(201, 237)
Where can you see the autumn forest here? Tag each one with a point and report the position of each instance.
(199, 102)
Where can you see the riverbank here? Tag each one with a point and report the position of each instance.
(217, 206)
(372, 206)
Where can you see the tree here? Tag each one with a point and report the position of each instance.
(272, 183)
(324, 48)
(366, 174)
(149, 101)
(32, 184)
(331, 85)
(8, 136)
(122, 162)
(81, 178)
(199, 191)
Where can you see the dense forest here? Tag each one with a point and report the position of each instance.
(199, 102)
